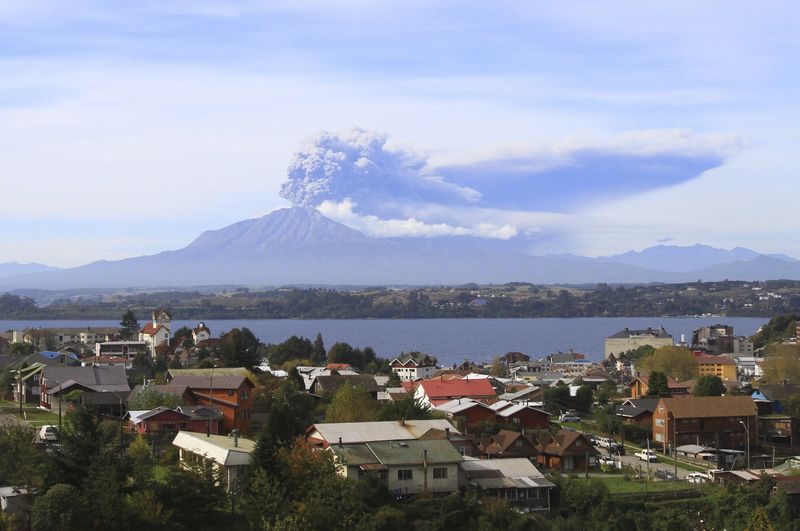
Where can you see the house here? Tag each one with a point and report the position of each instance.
(232, 396)
(566, 451)
(407, 467)
(638, 411)
(779, 431)
(157, 331)
(328, 433)
(526, 395)
(124, 362)
(199, 419)
(514, 480)
(309, 374)
(15, 500)
(200, 333)
(721, 366)
(431, 393)
(58, 381)
(522, 416)
(508, 443)
(641, 385)
(470, 416)
(340, 367)
(717, 421)
(411, 366)
(228, 455)
(122, 349)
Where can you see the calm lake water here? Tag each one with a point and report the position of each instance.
(453, 340)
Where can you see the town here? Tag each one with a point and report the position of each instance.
(143, 424)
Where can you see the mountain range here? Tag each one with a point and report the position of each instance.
(300, 246)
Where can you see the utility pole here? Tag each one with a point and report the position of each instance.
(674, 445)
(211, 402)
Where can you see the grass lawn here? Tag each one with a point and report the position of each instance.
(30, 413)
(618, 485)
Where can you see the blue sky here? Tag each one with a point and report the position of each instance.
(587, 127)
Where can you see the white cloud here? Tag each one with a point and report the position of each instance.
(343, 212)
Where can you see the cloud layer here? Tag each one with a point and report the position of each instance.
(358, 178)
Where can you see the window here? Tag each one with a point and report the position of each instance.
(439, 473)
(659, 422)
(660, 437)
(518, 442)
(404, 474)
(661, 409)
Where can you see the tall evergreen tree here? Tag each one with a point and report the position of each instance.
(318, 354)
(130, 326)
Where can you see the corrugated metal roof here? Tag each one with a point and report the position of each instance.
(414, 452)
(359, 432)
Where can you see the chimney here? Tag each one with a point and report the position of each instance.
(235, 433)
(447, 433)
(403, 421)
(340, 443)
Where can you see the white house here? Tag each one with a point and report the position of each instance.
(229, 455)
(200, 333)
(156, 332)
(411, 366)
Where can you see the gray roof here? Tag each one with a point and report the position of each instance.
(206, 382)
(634, 408)
(504, 473)
(97, 377)
(654, 332)
(389, 430)
(331, 383)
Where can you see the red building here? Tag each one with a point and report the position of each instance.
(468, 415)
(522, 416)
(198, 419)
(232, 396)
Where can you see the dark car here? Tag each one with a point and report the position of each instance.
(617, 449)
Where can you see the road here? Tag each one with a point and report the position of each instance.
(635, 462)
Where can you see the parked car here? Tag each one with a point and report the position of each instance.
(604, 442)
(697, 477)
(647, 455)
(569, 418)
(605, 460)
(48, 433)
(616, 448)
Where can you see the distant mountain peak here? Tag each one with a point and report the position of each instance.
(295, 225)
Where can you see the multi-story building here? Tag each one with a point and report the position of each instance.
(59, 338)
(714, 339)
(627, 340)
(721, 366)
(411, 366)
(713, 421)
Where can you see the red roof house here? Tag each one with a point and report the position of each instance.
(435, 392)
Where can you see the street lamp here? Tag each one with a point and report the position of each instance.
(747, 431)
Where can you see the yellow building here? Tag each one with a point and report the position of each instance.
(721, 366)
(628, 339)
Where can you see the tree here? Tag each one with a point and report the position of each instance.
(318, 353)
(129, 326)
(142, 463)
(677, 362)
(240, 348)
(403, 409)
(709, 385)
(345, 353)
(151, 398)
(583, 398)
(657, 385)
(498, 367)
(294, 348)
(194, 495)
(351, 404)
(61, 507)
(782, 363)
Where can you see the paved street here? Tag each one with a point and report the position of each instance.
(630, 459)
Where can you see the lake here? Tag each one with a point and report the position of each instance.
(453, 340)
